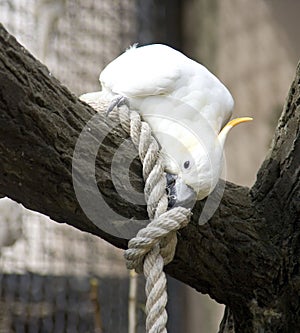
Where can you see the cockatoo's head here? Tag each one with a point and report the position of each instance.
(193, 174)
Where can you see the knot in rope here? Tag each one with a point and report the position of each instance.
(157, 230)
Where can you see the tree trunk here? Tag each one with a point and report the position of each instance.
(247, 256)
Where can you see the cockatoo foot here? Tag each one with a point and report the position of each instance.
(116, 102)
(179, 194)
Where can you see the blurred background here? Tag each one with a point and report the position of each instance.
(54, 278)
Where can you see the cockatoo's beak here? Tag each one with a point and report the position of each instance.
(179, 193)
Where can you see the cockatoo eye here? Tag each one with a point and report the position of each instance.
(186, 164)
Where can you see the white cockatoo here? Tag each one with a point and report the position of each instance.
(188, 110)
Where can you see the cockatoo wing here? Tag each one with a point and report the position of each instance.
(158, 70)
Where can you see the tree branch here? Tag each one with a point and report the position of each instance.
(246, 256)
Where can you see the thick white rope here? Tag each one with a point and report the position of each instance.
(154, 246)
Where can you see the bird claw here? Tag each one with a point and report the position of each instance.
(117, 102)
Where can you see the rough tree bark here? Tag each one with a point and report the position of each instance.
(247, 256)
